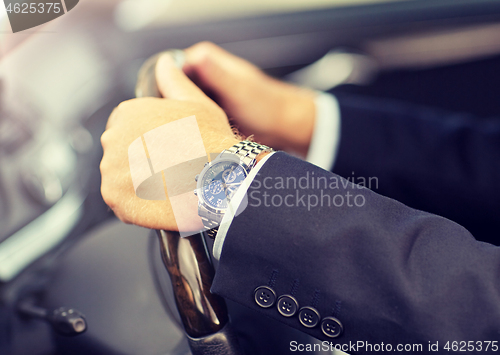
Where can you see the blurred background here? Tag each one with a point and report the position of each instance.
(59, 243)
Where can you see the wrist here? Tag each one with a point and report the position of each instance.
(261, 156)
(226, 143)
(216, 142)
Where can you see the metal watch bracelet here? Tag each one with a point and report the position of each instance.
(247, 151)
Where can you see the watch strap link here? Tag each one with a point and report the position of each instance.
(209, 219)
(212, 233)
(247, 152)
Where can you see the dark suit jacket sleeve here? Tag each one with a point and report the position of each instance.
(437, 161)
(389, 273)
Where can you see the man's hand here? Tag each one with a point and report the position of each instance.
(278, 114)
(133, 118)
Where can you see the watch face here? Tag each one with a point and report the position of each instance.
(220, 182)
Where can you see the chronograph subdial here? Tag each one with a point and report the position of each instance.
(215, 187)
(214, 194)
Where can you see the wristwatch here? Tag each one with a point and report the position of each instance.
(220, 179)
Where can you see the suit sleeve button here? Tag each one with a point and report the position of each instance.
(287, 306)
(331, 327)
(309, 317)
(264, 296)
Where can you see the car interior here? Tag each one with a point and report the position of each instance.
(61, 246)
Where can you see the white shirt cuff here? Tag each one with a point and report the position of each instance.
(326, 135)
(233, 206)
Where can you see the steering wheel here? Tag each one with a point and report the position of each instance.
(204, 315)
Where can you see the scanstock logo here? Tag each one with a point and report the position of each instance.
(24, 14)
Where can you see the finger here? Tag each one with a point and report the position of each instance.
(217, 68)
(204, 53)
(174, 84)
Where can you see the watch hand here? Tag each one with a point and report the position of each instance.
(227, 174)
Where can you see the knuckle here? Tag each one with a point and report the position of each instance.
(123, 105)
(105, 191)
(104, 137)
(106, 197)
(108, 188)
(206, 46)
(103, 167)
(117, 114)
(205, 51)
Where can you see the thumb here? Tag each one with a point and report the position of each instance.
(174, 84)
